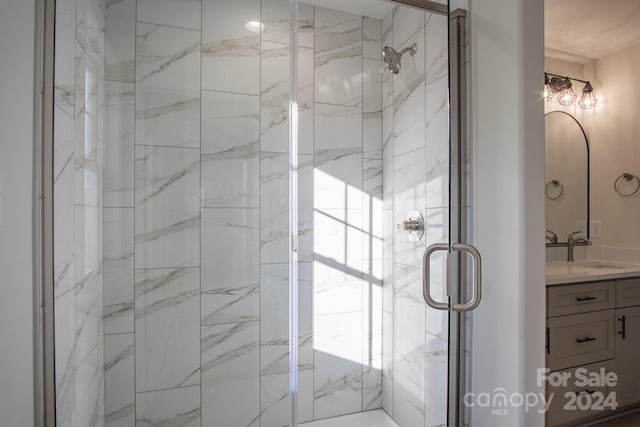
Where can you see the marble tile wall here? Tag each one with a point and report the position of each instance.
(196, 213)
(415, 177)
(79, 143)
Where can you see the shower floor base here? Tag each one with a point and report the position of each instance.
(377, 418)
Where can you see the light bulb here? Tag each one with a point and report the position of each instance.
(254, 26)
(567, 96)
(547, 94)
(587, 100)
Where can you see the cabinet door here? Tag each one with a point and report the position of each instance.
(628, 355)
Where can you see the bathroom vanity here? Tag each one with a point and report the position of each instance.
(592, 330)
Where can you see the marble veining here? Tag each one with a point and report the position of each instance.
(167, 86)
(230, 357)
(119, 380)
(338, 57)
(172, 407)
(167, 328)
(120, 41)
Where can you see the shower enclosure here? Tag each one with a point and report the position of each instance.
(227, 194)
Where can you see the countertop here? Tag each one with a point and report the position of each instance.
(561, 272)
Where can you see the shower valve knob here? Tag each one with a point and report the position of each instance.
(414, 226)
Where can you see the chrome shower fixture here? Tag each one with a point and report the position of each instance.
(393, 59)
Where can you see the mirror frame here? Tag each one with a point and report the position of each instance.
(586, 141)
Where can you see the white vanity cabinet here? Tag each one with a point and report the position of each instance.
(593, 325)
(627, 359)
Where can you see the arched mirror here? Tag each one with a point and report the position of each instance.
(566, 177)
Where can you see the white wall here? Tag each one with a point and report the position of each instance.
(507, 57)
(17, 26)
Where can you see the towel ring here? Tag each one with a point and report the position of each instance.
(556, 184)
(627, 177)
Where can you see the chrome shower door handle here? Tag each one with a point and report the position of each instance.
(426, 276)
(476, 288)
(476, 278)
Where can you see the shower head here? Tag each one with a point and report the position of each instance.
(393, 59)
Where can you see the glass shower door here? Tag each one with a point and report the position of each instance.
(374, 130)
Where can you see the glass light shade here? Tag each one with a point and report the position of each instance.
(567, 96)
(548, 92)
(587, 100)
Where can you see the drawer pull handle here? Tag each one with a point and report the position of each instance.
(585, 339)
(583, 299)
(623, 332)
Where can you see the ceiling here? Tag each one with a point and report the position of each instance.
(583, 30)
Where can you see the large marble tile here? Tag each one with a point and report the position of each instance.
(88, 284)
(89, 385)
(274, 99)
(231, 374)
(63, 199)
(88, 147)
(119, 145)
(407, 22)
(372, 322)
(230, 150)
(437, 381)
(372, 187)
(387, 76)
(274, 318)
(65, 358)
(436, 41)
(338, 157)
(408, 402)
(172, 407)
(338, 57)
(274, 208)
(437, 144)
(167, 86)
(230, 266)
(167, 207)
(409, 101)
(409, 320)
(90, 29)
(339, 240)
(409, 195)
(277, 27)
(387, 257)
(65, 46)
(372, 109)
(120, 49)
(118, 270)
(306, 228)
(372, 36)
(119, 380)
(437, 231)
(175, 13)
(230, 52)
(337, 364)
(387, 158)
(372, 385)
(276, 399)
(167, 328)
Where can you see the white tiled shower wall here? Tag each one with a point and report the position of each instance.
(415, 177)
(195, 211)
(79, 135)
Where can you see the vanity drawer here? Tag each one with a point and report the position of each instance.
(580, 339)
(627, 293)
(560, 395)
(573, 299)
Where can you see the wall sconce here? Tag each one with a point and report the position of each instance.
(562, 86)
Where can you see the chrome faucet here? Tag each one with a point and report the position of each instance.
(571, 243)
(551, 237)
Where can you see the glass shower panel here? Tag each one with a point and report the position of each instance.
(172, 141)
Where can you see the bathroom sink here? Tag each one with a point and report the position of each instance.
(600, 265)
